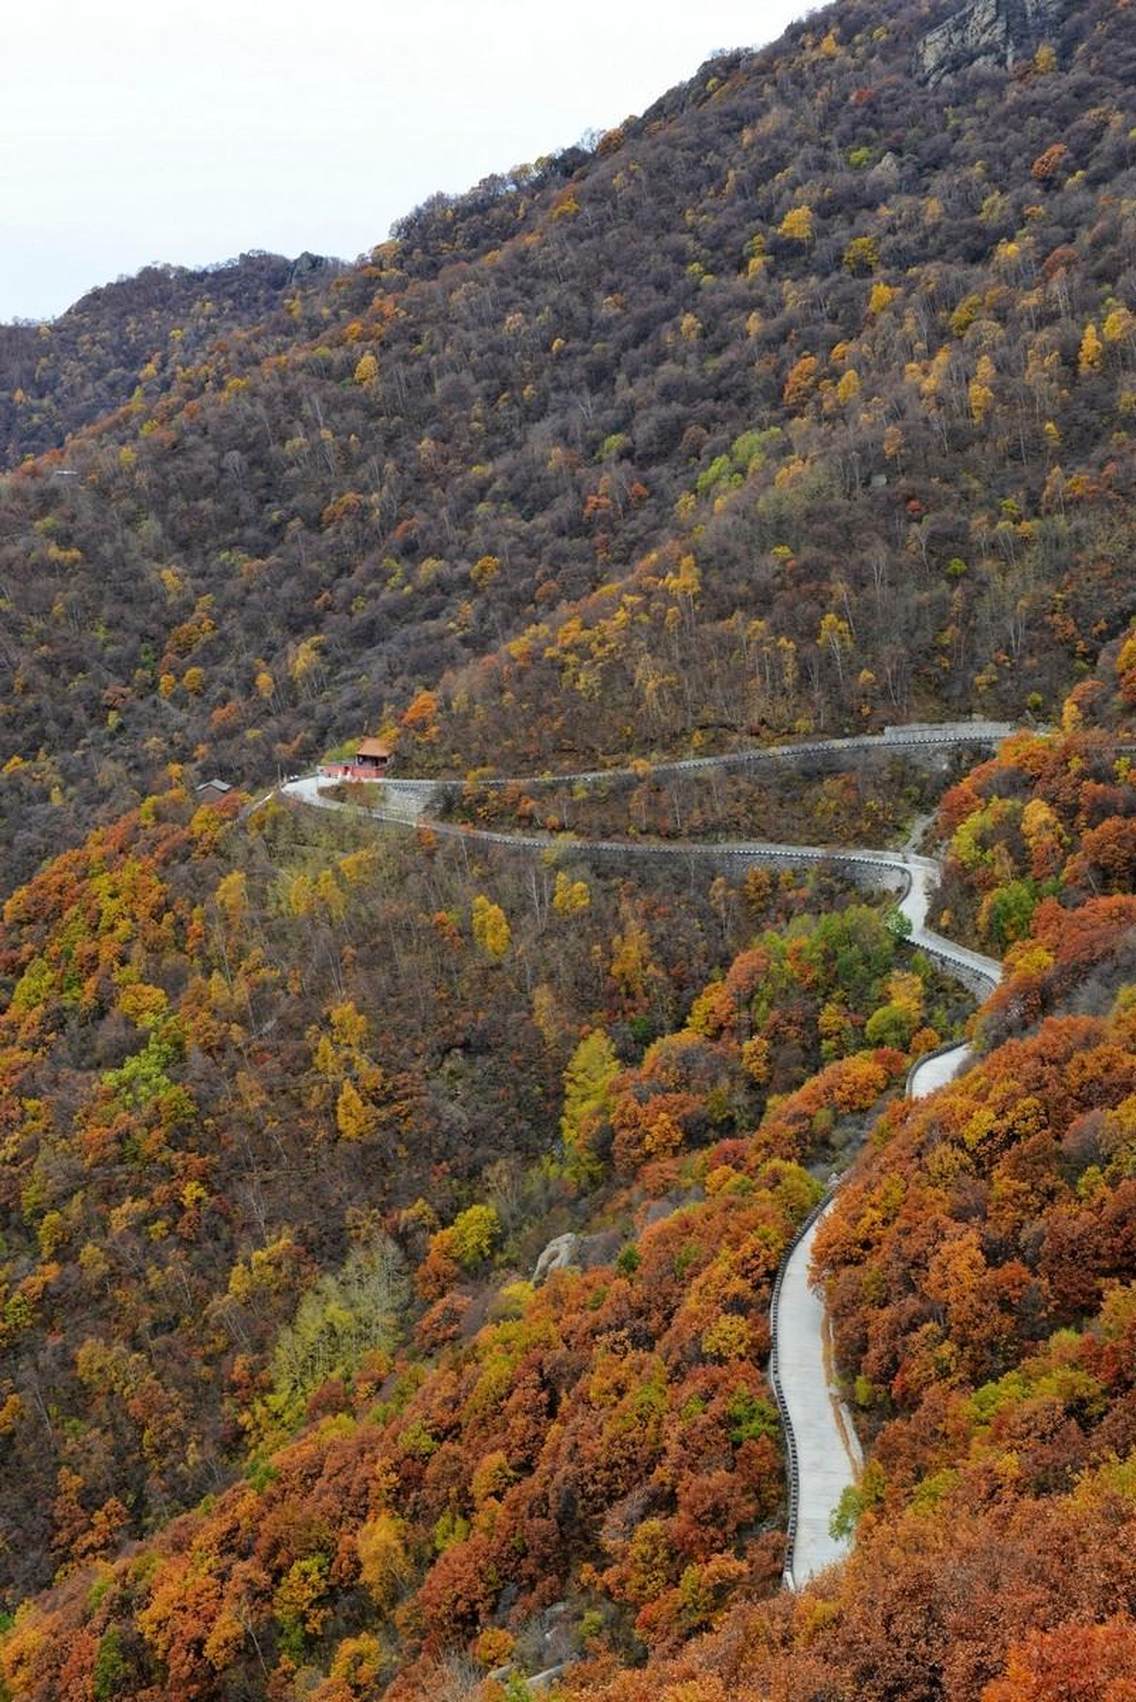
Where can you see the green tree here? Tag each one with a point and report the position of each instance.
(588, 1081)
(342, 1317)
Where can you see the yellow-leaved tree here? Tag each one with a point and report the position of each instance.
(797, 224)
(570, 896)
(1092, 349)
(490, 926)
(981, 393)
(849, 387)
(384, 1566)
(355, 1119)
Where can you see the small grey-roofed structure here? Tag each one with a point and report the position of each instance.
(210, 790)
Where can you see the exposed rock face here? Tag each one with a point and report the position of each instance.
(306, 263)
(990, 33)
(576, 1252)
(559, 1255)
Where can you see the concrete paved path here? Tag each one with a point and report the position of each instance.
(982, 973)
(403, 802)
(938, 1070)
(827, 1451)
(828, 1458)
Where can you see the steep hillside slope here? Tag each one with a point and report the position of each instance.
(232, 1053)
(130, 336)
(979, 1267)
(803, 401)
(468, 1471)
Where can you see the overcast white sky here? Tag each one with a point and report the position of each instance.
(189, 130)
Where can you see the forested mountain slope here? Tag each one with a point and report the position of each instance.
(236, 1050)
(130, 336)
(804, 400)
(979, 1266)
(233, 1054)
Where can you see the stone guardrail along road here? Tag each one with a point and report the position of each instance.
(946, 736)
(821, 1443)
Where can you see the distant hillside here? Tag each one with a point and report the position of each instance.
(63, 373)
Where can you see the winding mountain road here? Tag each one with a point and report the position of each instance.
(901, 871)
(823, 1450)
(946, 735)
